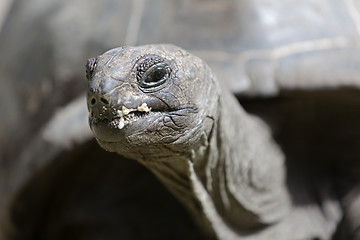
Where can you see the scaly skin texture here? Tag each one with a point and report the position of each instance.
(220, 162)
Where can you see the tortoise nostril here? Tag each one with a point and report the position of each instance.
(99, 102)
(104, 101)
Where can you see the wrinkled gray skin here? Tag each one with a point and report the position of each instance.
(220, 162)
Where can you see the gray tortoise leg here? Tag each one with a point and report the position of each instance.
(349, 227)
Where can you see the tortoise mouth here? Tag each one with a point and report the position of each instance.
(119, 117)
(124, 123)
(140, 123)
(124, 116)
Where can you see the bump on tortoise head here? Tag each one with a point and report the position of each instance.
(90, 67)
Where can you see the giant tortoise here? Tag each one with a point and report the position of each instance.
(282, 165)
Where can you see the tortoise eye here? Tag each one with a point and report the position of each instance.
(155, 76)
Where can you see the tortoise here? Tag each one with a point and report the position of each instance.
(163, 107)
(302, 80)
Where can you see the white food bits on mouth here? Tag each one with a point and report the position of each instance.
(143, 108)
(120, 124)
(118, 113)
(126, 111)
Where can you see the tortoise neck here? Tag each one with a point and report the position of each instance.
(244, 171)
(233, 175)
(179, 178)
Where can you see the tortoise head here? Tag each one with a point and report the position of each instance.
(143, 100)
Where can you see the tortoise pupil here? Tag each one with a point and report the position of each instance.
(156, 76)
